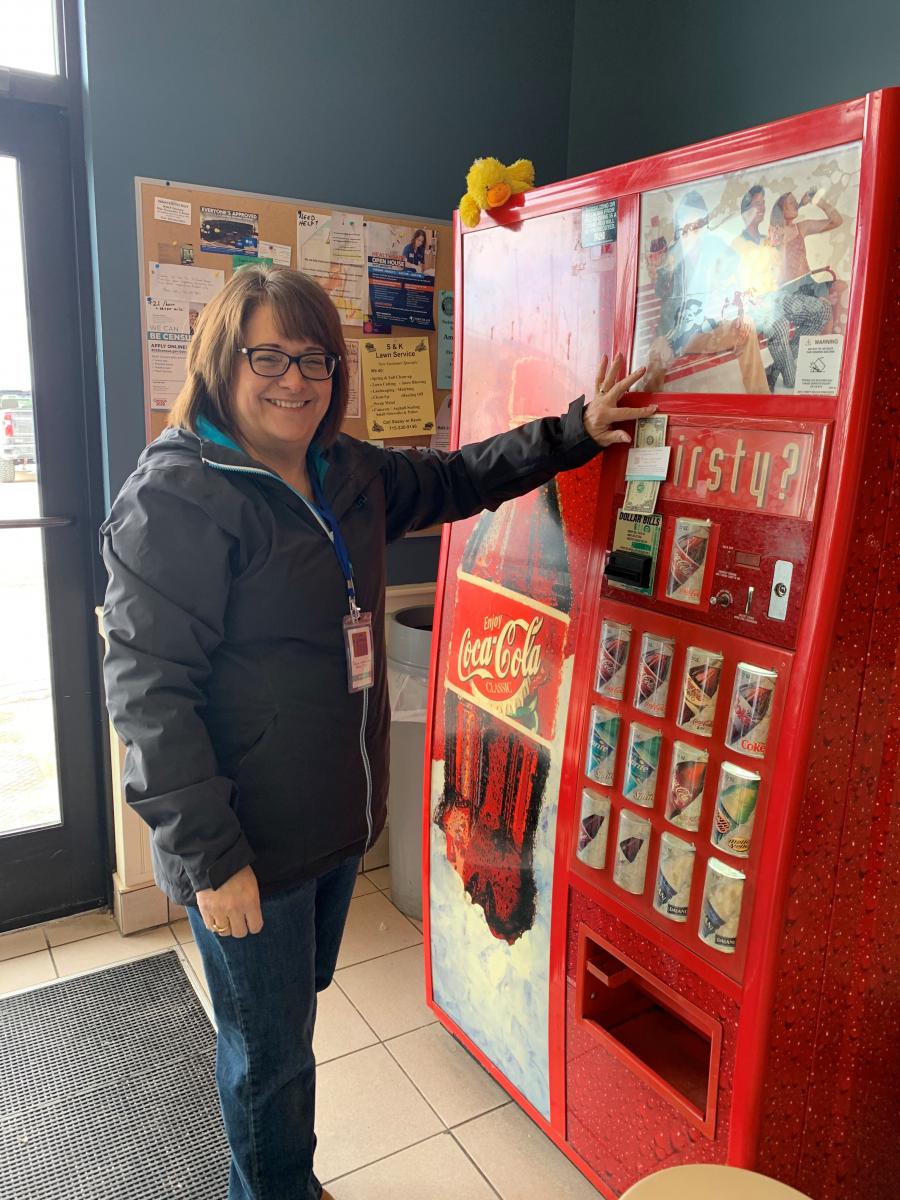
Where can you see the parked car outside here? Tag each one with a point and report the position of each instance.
(17, 447)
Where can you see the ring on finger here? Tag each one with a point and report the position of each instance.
(221, 930)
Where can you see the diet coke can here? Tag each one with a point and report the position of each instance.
(751, 710)
(654, 669)
(612, 659)
(641, 765)
(592, 829)
(723, 891)
(673, 877)
(602, 741)
(632, 848)
(685, 799)
(735, 809)
(699, 691)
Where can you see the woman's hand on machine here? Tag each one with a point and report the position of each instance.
(232, 910)
(602, 413)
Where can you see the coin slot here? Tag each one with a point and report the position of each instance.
(664, 1039)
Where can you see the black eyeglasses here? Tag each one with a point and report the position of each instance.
(314, 364)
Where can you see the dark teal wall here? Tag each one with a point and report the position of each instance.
(649, 76)
(344, 101)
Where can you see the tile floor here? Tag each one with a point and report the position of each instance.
(403, 1110)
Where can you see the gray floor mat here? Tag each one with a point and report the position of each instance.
(107, 1089)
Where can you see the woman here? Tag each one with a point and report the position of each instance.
(246, 557)
(414, 252)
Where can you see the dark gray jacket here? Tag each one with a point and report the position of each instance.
(225, 671)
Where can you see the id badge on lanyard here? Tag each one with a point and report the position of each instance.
(360, 651)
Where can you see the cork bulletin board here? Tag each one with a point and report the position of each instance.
(170, 234)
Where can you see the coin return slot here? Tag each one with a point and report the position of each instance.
(672, 1045)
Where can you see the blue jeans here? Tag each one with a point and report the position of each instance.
(263, 990)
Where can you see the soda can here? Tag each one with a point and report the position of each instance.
(602, 741)
(723, 891)
(654, 670)
(673, 877)
(592, 829)
(751, 710)
(700, 690)
(735, 809)
(642, 765)
(687, 562)
(612, 659)
(632, 848)
(684, 801)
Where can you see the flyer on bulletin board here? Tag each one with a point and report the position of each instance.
(445, 340)
(397, 380)
(401, 273)
(354, 404)
(331, 249)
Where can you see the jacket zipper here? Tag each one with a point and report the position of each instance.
(365, 712)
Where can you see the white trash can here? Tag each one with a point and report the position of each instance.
(408, 656)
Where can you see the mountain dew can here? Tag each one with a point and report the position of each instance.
(642, 765)
(736, 800)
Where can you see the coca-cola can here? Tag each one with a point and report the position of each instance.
(642, 765)
(602, 741)
(700, 690)
(720, 914)
(684, 802)
(593, 829)
(751, 710)
(687, 562)
(654, 669)
(612, 659)
(674, 872)
(632, 848)
(736, 799)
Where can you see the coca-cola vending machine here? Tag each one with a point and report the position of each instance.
(662, 846)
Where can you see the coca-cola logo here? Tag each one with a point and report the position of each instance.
(513, 652)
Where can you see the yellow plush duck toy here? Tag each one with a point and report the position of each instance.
(489, 184)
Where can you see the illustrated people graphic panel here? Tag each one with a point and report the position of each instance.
(744, 278)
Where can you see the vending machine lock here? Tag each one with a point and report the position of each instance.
(629, 569)
(781, 589)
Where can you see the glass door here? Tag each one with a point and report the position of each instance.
(52, 831)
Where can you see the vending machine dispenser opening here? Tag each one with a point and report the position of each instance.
(662, 847)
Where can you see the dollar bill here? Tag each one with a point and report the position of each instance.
(641, 494)
(651, 431)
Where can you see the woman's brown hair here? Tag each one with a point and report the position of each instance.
(302, 312)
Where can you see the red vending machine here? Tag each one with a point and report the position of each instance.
(662, 843)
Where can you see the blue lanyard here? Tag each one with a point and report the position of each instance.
(337, 540)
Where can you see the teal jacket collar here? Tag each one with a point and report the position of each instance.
(205, 429)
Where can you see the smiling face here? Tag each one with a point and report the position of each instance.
(276, 419)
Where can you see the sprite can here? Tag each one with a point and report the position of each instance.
(602, 741)
(642, 765)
